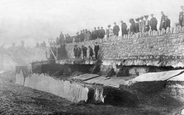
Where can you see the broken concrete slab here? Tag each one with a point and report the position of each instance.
(156, 76)
(113, 81)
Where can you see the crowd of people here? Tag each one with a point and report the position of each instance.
(84, 52)
(138, 25)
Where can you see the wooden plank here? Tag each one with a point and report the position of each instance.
(86, 77)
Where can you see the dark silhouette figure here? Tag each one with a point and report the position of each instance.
(84, 51)
(75, 50)
(123, 28)
(147, 23)
(162, 22)
(79, 52)
(90, 52)
(102, 32)
(137, 25)
(94, 34)
(132, 26)
(153, 23)
(96, 49)
(116, 29)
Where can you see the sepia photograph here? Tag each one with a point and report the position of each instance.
(91, 57)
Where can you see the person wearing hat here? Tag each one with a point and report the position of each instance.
(99, 32)
(84, 51)
(141, 24)
(123, 28)
(96, 49)
(116, 29)
(109, 31)
(132, 26)
(61, 38)
(147, 24)
(162, 22)
(137, 25)
(94, 34)
(75, 50)
(153, 23)
(181, 17)
(167, 22)
(102, 32)
(91, 53)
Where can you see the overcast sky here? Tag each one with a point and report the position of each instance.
(37, 20)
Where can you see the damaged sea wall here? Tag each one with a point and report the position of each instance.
(165, 50)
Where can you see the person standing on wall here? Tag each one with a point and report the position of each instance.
(123, 28)
(137, 25)
(75, 50)
(94, 34)
(90, 52)
(116, 29)
(84, 52)
(61, 38)
(153, 23)
(96, 49)
(167, 22)
(181, 17)
(141, 24)
(162, 22)
(109, 31)
(102, 32)
(147, 24)
(99, 33)
(132, 26)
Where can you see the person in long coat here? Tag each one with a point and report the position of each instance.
(94, 34)
(132, 26)
(162, 22)
(181, 17)
(96, 49)
(79, 52)
(61, 38)
(75, 50)
(167, 22)
(84, 52)
(141, 24)
(123, 28)
(99, 33)
(102, 32)
(137, 25)
(153, 23)
(90, 52)
(147, 23)
(116, 29)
